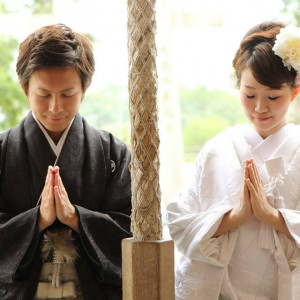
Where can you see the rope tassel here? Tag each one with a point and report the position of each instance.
(58, 247)
(58, 260)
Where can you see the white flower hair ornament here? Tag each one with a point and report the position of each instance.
(287, 47)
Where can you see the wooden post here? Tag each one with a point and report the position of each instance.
(148, 270)
(147, 260)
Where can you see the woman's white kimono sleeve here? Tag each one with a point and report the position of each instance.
(196, 214)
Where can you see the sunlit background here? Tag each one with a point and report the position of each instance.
(196, 42)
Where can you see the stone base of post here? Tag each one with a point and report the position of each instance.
(148, 270)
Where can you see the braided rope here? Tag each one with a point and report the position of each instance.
(146, 194)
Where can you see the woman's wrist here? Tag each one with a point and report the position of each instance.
(231, 220)
(275, 219)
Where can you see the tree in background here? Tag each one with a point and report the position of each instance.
(292, 8)
(41, 7)
(205, 113)
(13, 103)
(2, 7)
(107, 109)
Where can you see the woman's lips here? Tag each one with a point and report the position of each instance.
(262, 119)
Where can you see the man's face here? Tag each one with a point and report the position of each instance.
(55, 95)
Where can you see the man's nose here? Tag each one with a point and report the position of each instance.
(55, 104)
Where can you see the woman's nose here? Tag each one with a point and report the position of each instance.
(261, 106)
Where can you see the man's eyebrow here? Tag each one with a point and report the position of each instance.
(64, 90)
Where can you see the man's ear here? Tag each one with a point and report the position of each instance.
(85, 89)
(87, 86)
(25, 89)
(295, 92)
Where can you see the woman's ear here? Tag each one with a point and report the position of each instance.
(295, 92)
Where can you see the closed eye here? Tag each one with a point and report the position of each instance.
(249, 96)
(273, 98)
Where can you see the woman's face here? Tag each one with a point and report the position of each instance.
(266, 108)
(55, 95)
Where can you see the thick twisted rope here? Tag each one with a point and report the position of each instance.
(146, 216)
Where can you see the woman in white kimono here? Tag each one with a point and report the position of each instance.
(237, 224)
(65, 188)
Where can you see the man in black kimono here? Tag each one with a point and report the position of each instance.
(61, 176)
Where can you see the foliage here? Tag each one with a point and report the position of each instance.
(292, 7)
(2, 7)
(12, 100)
(41, 7)
(107, 109)
(204, 114)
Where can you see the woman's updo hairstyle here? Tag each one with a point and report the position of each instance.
(255, 52)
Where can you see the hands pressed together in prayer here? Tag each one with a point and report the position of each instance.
(55, 203)
(253, 202)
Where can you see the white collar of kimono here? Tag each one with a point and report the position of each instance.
(56, 148)
(264, 148)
